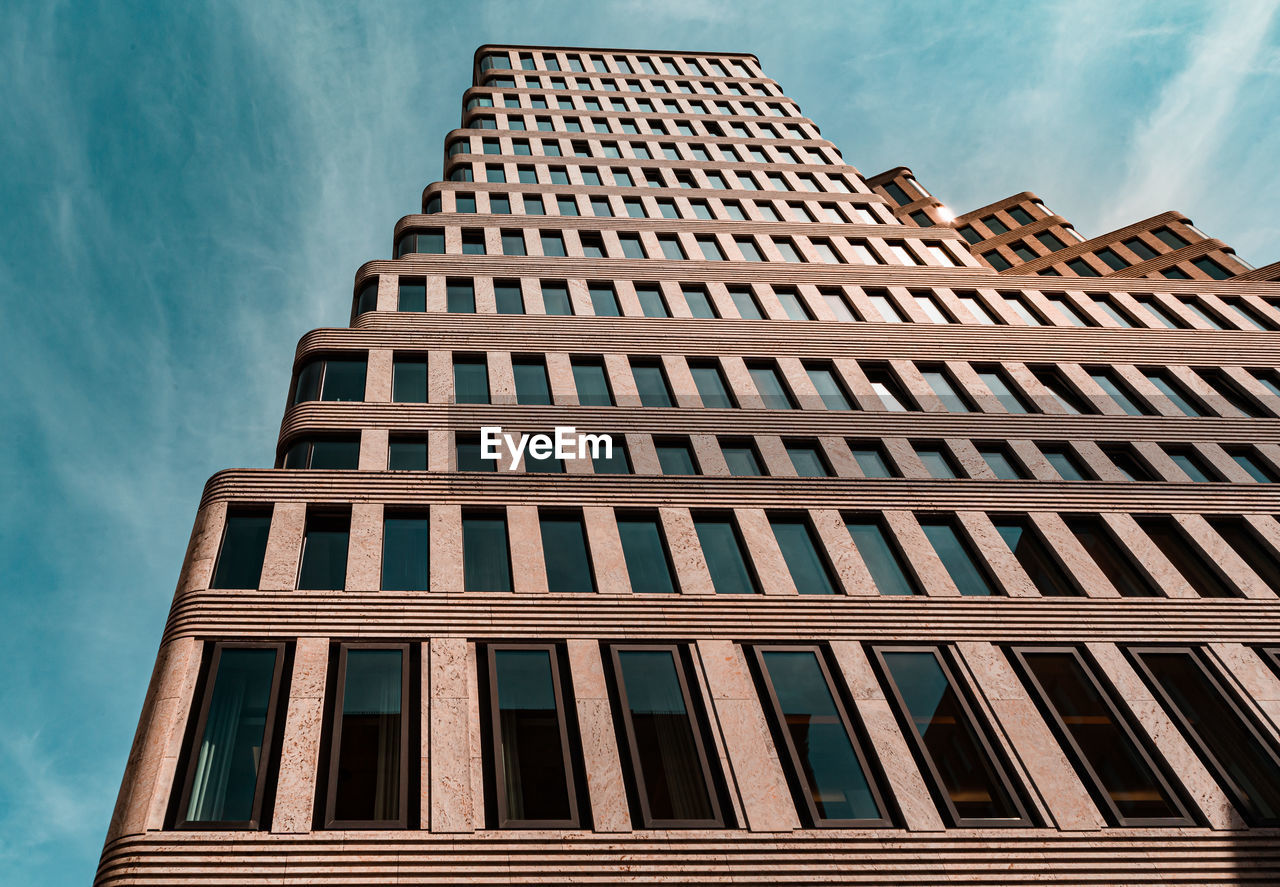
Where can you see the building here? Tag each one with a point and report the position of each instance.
(903, 570)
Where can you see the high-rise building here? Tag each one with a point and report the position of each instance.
(900, 569)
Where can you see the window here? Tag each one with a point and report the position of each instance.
(745, 302)
(369, 745)
(532, 771)
(644, 548)
(1024, 252)
(470, 456)
(927, 303)
(1252, 546)
(544, 464)
(740, 455)
(409, 380)
(969, 234)
(997, 261)
(333, 378)
(1140, 248)
(244, 545)
(1248, 315)
(1131, 465)
(951, 744)
(1035, 556)
(747, 246)
(555, 299)
(675, 456)
(768, 382)
(828, 769)
(567, 206)
(939, 379)
(473, 243)
(1081, 268)
(787, 249)
(881, 555)
(650, 298)
(552, 244)
(507, 295)
(1245, 763)
(871, 459)
(1185, 554)
(616, 460)
(1247, 459)
(1192, 464)
(407, 454)
(838, 305)
(460, 297)
(486, 564)
(937, 460)
(887, 310)
(711, 385)
(1169, 239)
(829, 388)
(1002, 462)
(631, 246)
(405, 552)
(1051, 241)
(807, 458)
(1111, 259)
(651, 384)
(591, 383)
(532, 386)
(1163, 315)
(1111, 761)
(1172, 390)
(700, 303)
(412, 294)
(324, 552)
(671, 248)
(513, 243)
(892, 397)
(1118, 391)
(1109, 308)
(1110, 556)
(725, 554)
(603, 301)
(324, 453)
(227, 770)
(980, 312)
(792, 304)
(968, 573)
(670, 776)
(470, 379)
(564, 548)
(809, 568)
(1065, 462)
(1061, 391)
(1007, 396)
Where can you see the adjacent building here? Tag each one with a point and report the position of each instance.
(905, 566)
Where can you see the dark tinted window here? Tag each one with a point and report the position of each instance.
(486, 564)
(405, 552)
(803, 553)
(645, 550)
(725, 555)
(244, 545)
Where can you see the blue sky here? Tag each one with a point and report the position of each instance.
(187, 188)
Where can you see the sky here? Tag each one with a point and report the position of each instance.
(188, 188)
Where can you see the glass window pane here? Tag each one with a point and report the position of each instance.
(404, 553)
(958, 557)
(413, 295)
(709, 381)
(1108, 383)
(603, 301)
(244, 545)
(648, 565)
(666, 752)
(724, 555)
(813, 722)
(470, 380)
(485, 560)
(335, 454)
(881, 556)
(676, 457)
(741, 459)
(1183, 553)
(1245, 765)
(801, 550)
(343, 380)
(1166, 386)
(872, 461)
(651, 384)
(808, 460)
(407, 455)
(769, 384)
(1244, 540)
(614, 460)
(1103, 547)
(968, 776)
(368, 759)
(1104, 748)
(829, 388)
(1063, 463)
(564, 549)
(324, 553)
(946, 392)
(699, 303)
(995, 381)
(460, 297)
(1048, 576)
(1000, 463)
(651, 302)
(508, 298)
(409, 381)
(532, 386)
(591, 383)
(936, 462)
(230, 759)
(746, 304)
(534, 784)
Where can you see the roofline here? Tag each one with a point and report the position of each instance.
(475, 56)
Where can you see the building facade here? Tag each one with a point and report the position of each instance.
(901, 569)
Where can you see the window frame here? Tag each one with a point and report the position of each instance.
(335, 719)
(696, 718)
(791, 761)
(1093, 783)
(196, 735)
(981, 730)
(495, 766)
